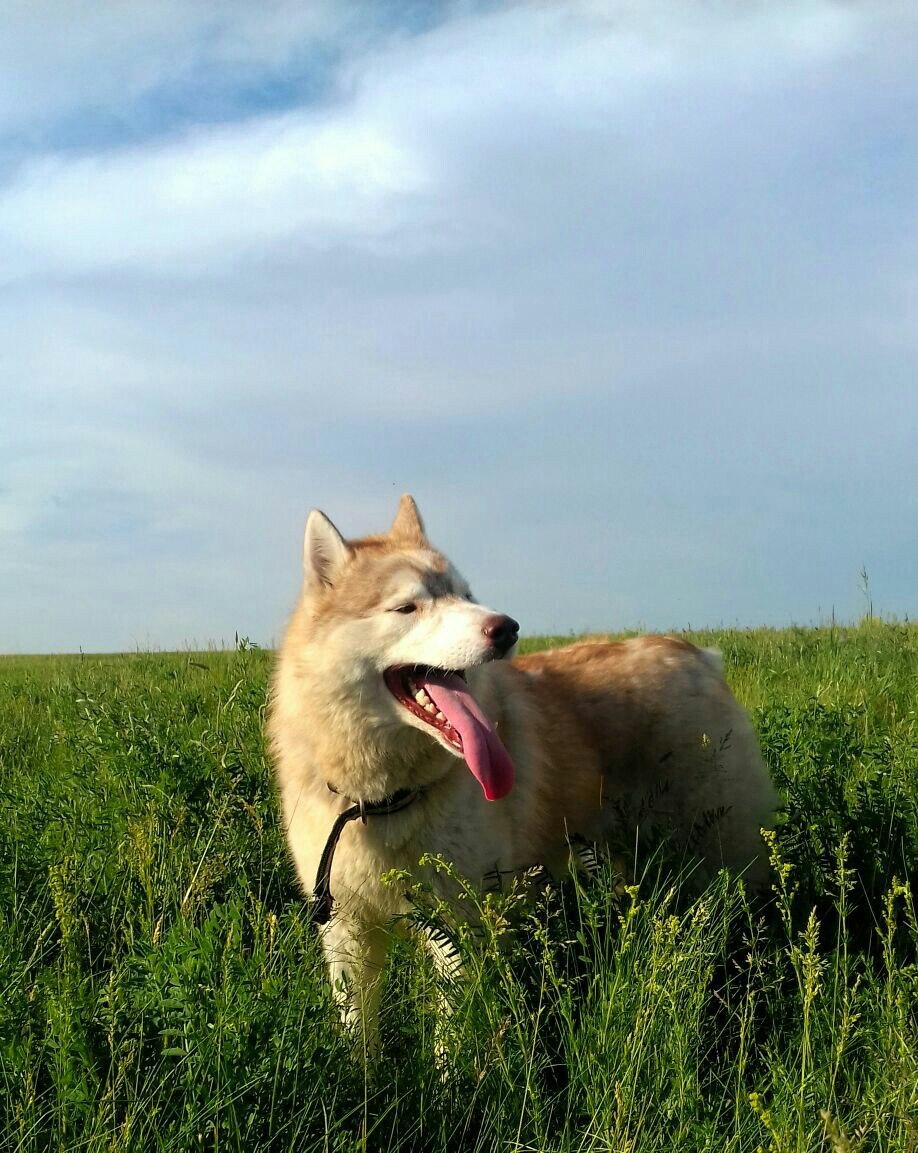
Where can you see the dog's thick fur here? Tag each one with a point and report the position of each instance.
(595, 732)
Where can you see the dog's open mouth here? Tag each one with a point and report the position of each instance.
(441, 698)
(409, 684)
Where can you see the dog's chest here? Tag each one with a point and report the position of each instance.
(377, 863)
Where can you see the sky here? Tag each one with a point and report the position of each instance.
(625, 293)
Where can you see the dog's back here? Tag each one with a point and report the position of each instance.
(645, 732)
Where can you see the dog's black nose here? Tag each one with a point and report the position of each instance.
(503, 632)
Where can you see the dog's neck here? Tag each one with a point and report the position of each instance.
(339, 742)
(369, 765)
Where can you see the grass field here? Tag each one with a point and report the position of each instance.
(161, 988)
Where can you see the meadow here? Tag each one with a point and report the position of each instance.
(161, 988)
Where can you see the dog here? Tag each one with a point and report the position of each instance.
(393, 701)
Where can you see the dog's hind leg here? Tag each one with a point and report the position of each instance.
(448, 966)
(443, 950)
(355, 953)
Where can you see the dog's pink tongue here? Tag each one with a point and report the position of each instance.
(481, 746)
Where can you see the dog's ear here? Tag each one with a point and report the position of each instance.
(324, 551)
(408, 525)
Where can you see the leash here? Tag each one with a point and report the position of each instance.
(320, 910)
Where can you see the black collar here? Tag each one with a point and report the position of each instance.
(321, 908)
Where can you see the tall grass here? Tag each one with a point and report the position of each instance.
(161, 988)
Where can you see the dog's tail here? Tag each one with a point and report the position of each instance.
(714, 659)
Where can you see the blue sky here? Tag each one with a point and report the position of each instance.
(625, 293)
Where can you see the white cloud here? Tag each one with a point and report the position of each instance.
(391, 150)
(206, 200)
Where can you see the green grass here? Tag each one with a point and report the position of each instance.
(161, 988)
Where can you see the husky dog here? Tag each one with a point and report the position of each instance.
(392, 701)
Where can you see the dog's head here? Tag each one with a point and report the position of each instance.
(392, 628)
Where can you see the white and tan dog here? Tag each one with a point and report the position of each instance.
(390, 684)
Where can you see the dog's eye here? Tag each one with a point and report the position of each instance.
(408, 608)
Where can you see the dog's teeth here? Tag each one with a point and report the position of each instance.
(440, 717)
(421, 697)
(430, 709)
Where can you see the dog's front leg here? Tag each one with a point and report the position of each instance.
(356, 956)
